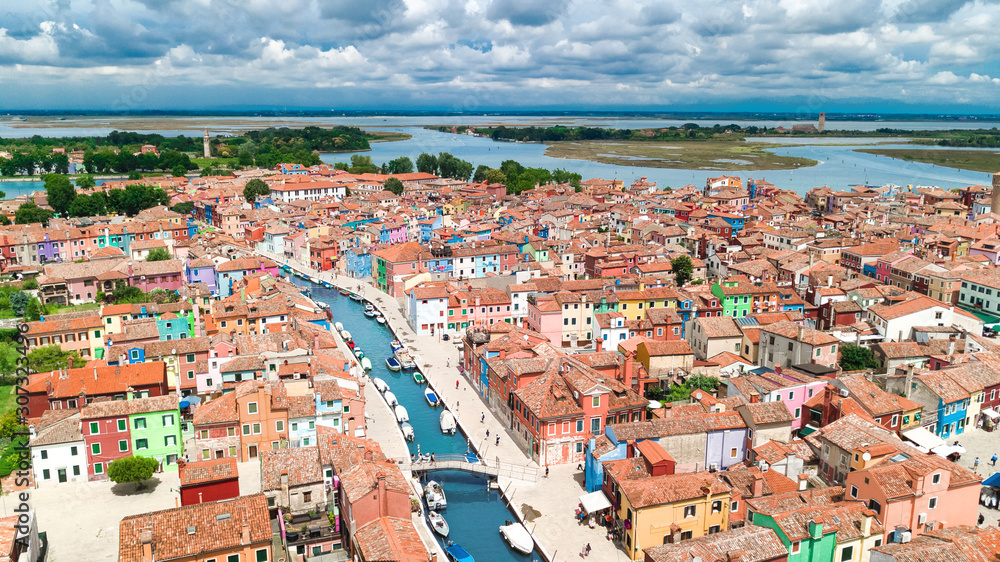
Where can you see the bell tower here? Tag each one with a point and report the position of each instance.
(208, 150)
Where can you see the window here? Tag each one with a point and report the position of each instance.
(796, 547)
(141, 444)
(261, 555)
(847, 554)
(734, 506)
(140, 423)
(73, 451)
(279, 425)
(579, 426)
(233, 558)
(76, 470)
(45, 454)
(94, 428)
(256, 429)
(597, 401)
(246, 429)
(936, 479)
(232, 451)
(189, 358)
(689, 511)
(307, 496)
(717, 506)
(732, 453)
(95, 448)
(854, 492)
(203, 434)
(122, 425)
(99, 468)
(932, 503)
(169, 440)
(686, 535)
(252, 408)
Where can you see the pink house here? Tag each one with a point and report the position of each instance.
(884, 264)
(545, 317)
(485, 306)
(916, 492)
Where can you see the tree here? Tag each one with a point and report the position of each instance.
(29, 213)
(10, 425)
(158, 254)
(362, 164)
(19, 301)
(178, 171)
(134, 175)
(496, 176)
(255, 187)
(52, 357)
(29, 284)
(206, 171)
(59, 192)
(126, 294)
(4, 220)
(427, 163)
(683, 269)
(31, 312)
(856, 358)
(393, 185)
(451, 167)
(184, 208)
(695, 382)
(480, 175)
(85, 182)
(401, 165)
(136, 469)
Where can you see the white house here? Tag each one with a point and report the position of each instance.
(896, 322)
(311, 191)
(611, 329)
(58, 453)
(427, 308)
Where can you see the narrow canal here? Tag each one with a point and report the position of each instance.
(474, 513)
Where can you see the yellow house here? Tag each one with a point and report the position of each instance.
(670, 508)
(112, 316)
(634, 304)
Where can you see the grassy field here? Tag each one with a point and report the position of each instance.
(8, 399)
(974, 160)
(701, 155)
(77, 307)
(388, 136)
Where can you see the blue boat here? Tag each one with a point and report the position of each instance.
(457, 553)
(392, 364)
(327, 285)
(432, 398)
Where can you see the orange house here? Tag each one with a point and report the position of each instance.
(263, 411)
(236, 529)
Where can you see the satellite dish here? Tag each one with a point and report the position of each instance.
(866, 456)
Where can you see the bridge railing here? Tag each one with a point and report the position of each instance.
(490, 467)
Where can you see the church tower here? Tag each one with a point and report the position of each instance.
(208, 150)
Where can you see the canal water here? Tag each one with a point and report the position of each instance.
(474, 513)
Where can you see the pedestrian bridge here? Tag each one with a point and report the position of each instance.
(471, 464)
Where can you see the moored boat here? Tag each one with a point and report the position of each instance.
(401, 415)
(350, 344)
(448, 424)
(394, 344)
(392, 364)
(370, 311)
(457, 553)
(380, 319)
(359, 353)
(434, 496)
(407, 364)
(346, 335)
(344, 292)
(390, 398)
(407, 430)
(339, 327)
(431, 397)
(380, 385)
(438, 524)
(366, 363)
(418, 377)
(356, 297)
(327, 285)
(517, 537)
(322, 305)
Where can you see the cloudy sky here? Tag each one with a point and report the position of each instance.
(762, 55)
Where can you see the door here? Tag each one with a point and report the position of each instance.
(565, 452)
(62, 475)
(253, 451)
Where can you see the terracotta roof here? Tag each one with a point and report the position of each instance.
(670, 488)
(300, 463)
(212, 470)
(217, 526)
(57, 426)
(390, 538)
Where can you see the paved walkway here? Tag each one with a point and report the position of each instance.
(547, 507)
(982, 444)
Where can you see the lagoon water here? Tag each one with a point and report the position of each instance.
(839, 166)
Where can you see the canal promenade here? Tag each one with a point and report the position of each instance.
(547, 506)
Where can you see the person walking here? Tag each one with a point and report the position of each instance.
(447, 362)
(456, 385)
(482, 419)
(498, 440)
(975, 464)
(994, 459)
(487, 433)
(546, 472)
(587, 550)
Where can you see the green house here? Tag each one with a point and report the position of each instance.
(735, 303)
(155, 429)
(805, 542)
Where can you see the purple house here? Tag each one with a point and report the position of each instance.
(200, 270)
(48, 250)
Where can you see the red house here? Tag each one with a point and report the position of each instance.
(107, 439)
(209, 480)
(74, 388)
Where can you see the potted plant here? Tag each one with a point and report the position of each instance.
(313, 515)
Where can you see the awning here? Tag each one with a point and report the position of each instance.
(993, 480)
(991, 413)
(594, 502)
(924, 438)
(806, 430)
(945, 450)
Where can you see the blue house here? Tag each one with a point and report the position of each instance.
(172, 327)
(734, 221)
(330, 408)
(939, 392)
(357, 263)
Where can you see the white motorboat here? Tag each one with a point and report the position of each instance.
(380, 385)
(346, 335)
(438, 524)
(434, 496)
(407, 430)
(380, 319)
(390, 399)
(392, 364)
(517, 537)
(401, 415)
(339, 327)
(370, 311)
(448, 424)
(431, 397)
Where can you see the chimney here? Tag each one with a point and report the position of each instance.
(146, 540)
(754, 397)
(757, 488)
(246, 533)
(951, 345)
(316, 342)
(627, 375)
(599, 344)
(803, 482)
(383, 496)
(802, 331)
(284, 486)
(866, 522)
(734, 556)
